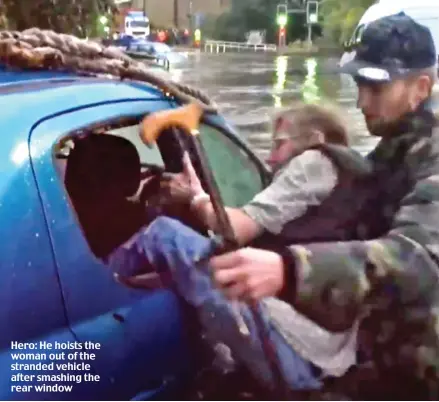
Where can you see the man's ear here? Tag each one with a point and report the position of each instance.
(421, 90)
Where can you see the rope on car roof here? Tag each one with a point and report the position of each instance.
(47, 50)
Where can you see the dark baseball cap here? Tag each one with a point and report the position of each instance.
(391, 47)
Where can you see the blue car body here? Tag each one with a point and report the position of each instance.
(53, 289)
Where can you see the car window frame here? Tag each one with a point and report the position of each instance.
(92, 318)
(234, 137)
(216, 122)
(54, 196)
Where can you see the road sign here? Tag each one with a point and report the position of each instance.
(255, 37)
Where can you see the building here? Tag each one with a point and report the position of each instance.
(169, 13)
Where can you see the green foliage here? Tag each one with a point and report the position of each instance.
(248, 15)
(341, 16)
(78, 17)
(338, 17)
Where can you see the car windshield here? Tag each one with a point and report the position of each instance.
(139, 24)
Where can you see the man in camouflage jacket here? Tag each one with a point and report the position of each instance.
(384, 266)
(371, 256)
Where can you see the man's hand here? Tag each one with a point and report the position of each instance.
(182, 187)
(249, 274)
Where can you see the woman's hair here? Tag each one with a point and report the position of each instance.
(303, 119)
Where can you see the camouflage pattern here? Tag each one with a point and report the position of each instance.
(391, 282)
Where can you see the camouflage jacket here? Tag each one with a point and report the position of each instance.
(391, 281)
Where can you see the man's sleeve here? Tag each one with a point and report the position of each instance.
(332, 279)
(305, 181)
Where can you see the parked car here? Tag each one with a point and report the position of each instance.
(137, 49)
(161, 51)
(55, 286)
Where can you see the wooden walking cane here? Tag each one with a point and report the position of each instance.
(187, 118)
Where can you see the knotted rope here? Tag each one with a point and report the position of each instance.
(47, 50)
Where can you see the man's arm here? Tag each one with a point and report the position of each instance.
(328, 281)
(245, 228)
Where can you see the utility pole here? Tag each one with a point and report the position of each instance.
(191, 17)
(309, 34)
(176, 22)
(312, 17)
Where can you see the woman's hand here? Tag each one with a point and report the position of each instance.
(183, 187)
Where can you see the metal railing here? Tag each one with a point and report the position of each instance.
(216, 46)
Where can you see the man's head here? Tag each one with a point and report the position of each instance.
(395, 67)
(302, 126)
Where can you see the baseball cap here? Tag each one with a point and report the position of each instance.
(391, 47)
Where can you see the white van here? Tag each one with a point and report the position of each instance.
(424, 12)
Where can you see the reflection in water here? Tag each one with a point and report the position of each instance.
(310, 90)
(281, 79)
(281, 72)
(248, 86)
(176, 74)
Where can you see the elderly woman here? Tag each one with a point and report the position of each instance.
(306, 142)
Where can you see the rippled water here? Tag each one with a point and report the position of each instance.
(248, 88)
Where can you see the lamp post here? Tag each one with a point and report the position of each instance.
(191, 21)
(176, 24)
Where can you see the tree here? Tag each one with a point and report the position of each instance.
(340, 17)
(78, 17)
(248, 15)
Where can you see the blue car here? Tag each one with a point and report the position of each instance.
(143, 49)
(58, 297)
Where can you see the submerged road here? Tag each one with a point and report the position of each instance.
(249, 87)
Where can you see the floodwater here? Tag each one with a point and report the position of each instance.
(249, 87)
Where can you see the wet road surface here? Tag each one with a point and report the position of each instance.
(249, 87)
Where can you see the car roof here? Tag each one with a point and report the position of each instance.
(39, 89)
(26, 81)
(27, 97)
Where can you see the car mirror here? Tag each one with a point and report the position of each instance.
(346, 46)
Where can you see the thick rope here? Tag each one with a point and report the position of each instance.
(42, 49)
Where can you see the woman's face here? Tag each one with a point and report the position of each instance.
(287, 141)
(282, 150)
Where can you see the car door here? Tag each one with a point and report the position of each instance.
(32, 313)
(140, 334)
